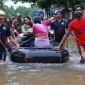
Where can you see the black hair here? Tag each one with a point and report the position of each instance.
(53, 14)
(41, 13)
(76, 6)
(30, 23)
(59, 12)
(37, 19)
(28, 18)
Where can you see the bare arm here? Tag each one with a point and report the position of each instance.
(51, 28)
(23, 31)
(52, 18)
(13, 41)
(12, 32)
(72, 33)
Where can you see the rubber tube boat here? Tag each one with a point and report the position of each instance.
(39, 55)
(30, 54)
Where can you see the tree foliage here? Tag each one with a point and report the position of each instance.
(48, 3)
(34, 1)
(7, 11)
(21, 9)
(1, 3)
(25, 11)
(44, 4)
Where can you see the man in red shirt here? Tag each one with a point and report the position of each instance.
(78, 26)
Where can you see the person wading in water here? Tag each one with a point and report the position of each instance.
(78, 26)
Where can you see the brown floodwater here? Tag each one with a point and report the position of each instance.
(69, 73)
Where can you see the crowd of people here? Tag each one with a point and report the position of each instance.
(39, 27)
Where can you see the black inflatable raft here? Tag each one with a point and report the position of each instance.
(39, 55)
(31, 54)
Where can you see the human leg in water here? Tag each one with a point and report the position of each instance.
(81, 49)
(82, 57)
(2, 57)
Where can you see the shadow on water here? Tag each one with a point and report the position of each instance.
(69, 73)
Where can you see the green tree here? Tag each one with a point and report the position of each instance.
(34, 1)
(26, 11)
(12, 10)
(7, 11)
(23, 11)
(64, 3)
(46, 4)
(1, 3)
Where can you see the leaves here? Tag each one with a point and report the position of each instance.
(21, 9)
(44, 4)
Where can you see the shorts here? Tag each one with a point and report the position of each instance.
(81, 48)
(3, 56)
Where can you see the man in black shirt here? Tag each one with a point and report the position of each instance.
(4, 32)
(59, 27)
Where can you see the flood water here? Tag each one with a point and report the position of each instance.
(69, 73)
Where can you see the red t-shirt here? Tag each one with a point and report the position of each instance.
(78, 26)
(8, 23)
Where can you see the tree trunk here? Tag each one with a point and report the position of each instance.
(65, 5)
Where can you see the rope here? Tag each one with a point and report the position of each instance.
(25, 58)
(3, 46)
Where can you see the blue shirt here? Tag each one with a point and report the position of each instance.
(4, 32)
(59, 29)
